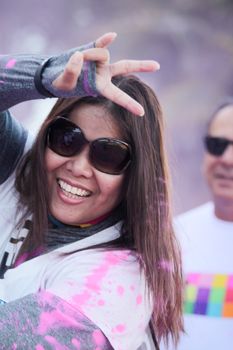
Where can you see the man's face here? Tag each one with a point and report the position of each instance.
(218, 170)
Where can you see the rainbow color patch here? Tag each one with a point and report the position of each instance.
(209, 295)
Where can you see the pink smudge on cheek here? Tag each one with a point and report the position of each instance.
(98, 338)
(76, 343)
(14, 346)
(120, 290)
(11, 63)
(1, 82)
(139, 299)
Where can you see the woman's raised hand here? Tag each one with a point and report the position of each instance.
(104, 72)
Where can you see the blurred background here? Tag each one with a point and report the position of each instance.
(192, 40)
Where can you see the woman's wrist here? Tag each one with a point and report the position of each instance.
(53, 67)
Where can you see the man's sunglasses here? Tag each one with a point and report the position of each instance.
(107, 155)
(216, 145)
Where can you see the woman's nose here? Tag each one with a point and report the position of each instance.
(79, 164)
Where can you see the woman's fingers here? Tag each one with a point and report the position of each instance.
(105, 40)
(67, 80)
(101, 55)
(132, 66)
(119, 97)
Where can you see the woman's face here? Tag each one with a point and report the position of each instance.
(97, 193)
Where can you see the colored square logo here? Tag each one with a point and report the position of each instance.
(191, 293)
(188, 307)
(228, 310)
(217, 295)
(229, 295)
(210, 295)
(220, 281)
(214, 310)
(200, 308)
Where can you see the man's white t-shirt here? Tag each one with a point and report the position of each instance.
(207, 250)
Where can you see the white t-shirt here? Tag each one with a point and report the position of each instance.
(207, 249)
(105, 286)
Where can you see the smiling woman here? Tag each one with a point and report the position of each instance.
(89, 257)
(80, 188)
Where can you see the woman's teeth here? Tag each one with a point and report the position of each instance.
(71, 191)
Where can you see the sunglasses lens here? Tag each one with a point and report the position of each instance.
(216, 145)
(64, 138)
(110, 156)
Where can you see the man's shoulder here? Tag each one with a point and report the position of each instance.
(196, 213)
(195, 221)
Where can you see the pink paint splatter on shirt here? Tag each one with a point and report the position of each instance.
(76, 343)
(101, 302)
(14, 346)
(62, 316)
(11, 63)
(98, 337)
(57, 346)
(82, 298)
(94, 280)
(39, 347)
(56, 319)
(120, 328)
(1, 82)
(120, 290)
(139, 299)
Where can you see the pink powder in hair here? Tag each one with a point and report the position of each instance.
(165, 265)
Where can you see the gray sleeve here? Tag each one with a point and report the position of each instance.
(17, 74)
(12, 141)
(45, 321)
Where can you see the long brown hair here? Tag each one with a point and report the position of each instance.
(147, 207)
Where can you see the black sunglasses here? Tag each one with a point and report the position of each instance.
(107, 155)
(216, 145)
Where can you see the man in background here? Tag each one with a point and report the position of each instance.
(206, 236)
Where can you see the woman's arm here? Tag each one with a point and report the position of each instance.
(17, 77)
(45, 321)
(77, 72)
(12, 142)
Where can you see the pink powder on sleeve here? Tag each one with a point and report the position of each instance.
(76, 344)
(39, 347)
(11, 63)
(98, 337)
